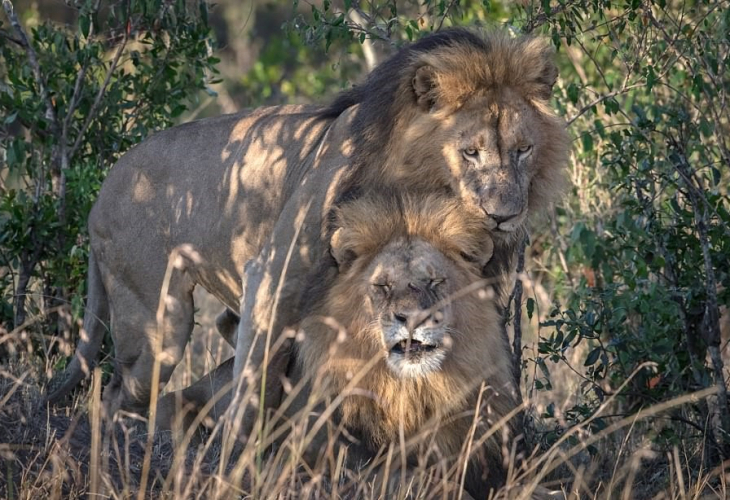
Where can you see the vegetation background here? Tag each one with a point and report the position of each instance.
(622, 307)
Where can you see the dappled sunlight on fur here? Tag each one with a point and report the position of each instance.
(250, 195)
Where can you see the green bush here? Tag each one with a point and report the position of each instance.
(72, 102)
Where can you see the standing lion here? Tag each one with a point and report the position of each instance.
(236, 203)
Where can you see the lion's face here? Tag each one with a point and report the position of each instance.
(482, 126)
(491, 156)
(408, 291)
(491, 148)
(405, 285)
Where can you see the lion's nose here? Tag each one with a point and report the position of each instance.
(413, 319)
(400, 317)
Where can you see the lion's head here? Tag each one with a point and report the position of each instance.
(467, 112)
(404, 285)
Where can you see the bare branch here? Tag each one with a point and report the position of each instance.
(368, 49)
(364, 23)
(77, 86)
(445, 15)
(32, 61)
(10, 38)
(99, 95)
(517, 294)
(602, 98)
(543, 17)
(73, 103)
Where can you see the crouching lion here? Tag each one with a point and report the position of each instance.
(402, 334)
(240, 199)
(424, 348)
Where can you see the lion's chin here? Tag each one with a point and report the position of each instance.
(417, 362)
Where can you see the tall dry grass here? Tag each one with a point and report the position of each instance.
(71, 452)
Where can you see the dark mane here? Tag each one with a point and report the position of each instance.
(381, 85)
(383, 97)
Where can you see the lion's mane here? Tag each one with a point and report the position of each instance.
(480, 351)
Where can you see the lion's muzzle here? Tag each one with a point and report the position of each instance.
(416, 342)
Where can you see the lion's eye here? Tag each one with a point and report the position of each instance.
(469, 258)
(383, 288)
(471, 154)
(434, 282)
(525, 150)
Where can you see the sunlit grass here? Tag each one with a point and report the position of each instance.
(69, 453)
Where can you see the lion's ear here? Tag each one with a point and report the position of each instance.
(424, 86)
(546, 80)
(339, 250)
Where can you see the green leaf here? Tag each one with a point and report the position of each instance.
(716, 176)
(85, 25)
(530, 307)
(587, 140)
(593, 357)
(573, 93)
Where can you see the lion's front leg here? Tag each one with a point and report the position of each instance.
(268, 307)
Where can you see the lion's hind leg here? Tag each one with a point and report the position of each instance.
(142, 340)
(202, 404)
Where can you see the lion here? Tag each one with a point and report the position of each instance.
(409, 294)
(398, 319)
(236, 203)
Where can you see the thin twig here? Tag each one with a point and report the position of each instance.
(445, 15)
(543, 17)
(602, 98)
(32, 62)
(368, 48)
(100, 94)
(10, 38)
(376, 30)
(517, 293)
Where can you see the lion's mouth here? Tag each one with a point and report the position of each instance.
(416, 347)
(415, 358)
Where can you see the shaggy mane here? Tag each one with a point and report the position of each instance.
(386, 404)
(466, 64)
(371, 222)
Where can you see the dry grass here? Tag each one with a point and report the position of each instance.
(71, 453)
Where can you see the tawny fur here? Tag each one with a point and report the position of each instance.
(236, 192)
(442, 402)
